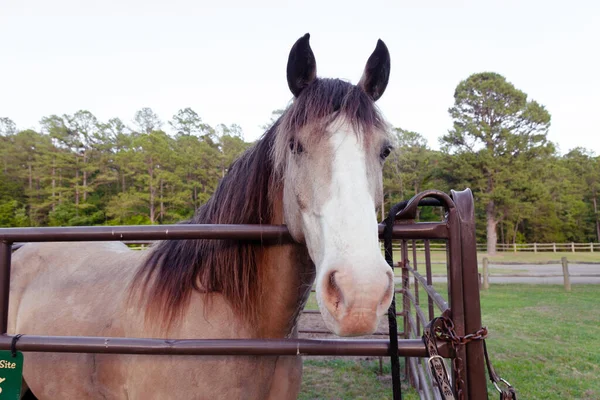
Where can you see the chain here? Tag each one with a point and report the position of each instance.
(446, 333)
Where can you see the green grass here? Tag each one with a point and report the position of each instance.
(543, 340)
(343, 379)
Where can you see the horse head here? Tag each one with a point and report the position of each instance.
(329, 152)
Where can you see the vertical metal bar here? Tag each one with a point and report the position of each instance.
(426, 386)
(405, 304)
(5, 255)
(392, 312)
(416, 281)
(475, 375)
(429, 276)
(455, 288)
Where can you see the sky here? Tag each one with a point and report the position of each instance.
(227, 59)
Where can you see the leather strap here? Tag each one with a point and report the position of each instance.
(436, 363)
(505, 394)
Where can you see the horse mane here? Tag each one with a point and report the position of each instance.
(174, 269)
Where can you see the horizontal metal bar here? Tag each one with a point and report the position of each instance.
(419, 311)
(435, 296)
(146, 232)
(423, 230)
(326, 332)
(215, 347)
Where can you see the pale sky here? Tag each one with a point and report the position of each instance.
(228, 61)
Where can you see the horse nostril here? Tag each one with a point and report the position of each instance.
(389, 291)
(333, 291)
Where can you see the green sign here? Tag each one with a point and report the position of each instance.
(11, 375)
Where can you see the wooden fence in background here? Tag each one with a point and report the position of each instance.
(547, 247)
(485, 273)
(521, 247)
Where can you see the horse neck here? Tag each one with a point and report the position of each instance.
(287, 279)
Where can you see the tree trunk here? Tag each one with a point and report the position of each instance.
(516, 231)
(595, 201)
(53, 184)
(77, 190)
(492, 236)
(30, 178)
(152, 211)
(162, 204)
(60, 185)
(84, 177)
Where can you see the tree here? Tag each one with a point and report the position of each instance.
(147, 120)
(496, 132)
(585, 169)
(7, 127)
(187, 122)
(409, 168)
(7, 131)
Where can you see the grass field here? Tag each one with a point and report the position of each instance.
(543, 340)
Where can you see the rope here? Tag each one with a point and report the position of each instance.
(13, 344)
(393, 323)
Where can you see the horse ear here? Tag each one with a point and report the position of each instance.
(377, 72)
(301, 67)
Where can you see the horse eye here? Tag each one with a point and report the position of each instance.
(296, 147)
(386, 152)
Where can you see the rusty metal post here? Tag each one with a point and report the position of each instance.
(566, 277)
(5, 255)
(416, 281)
(429, 276)
(406, 305)
(455, 284)
(475, 376)
(278, 233)
(217, 347)
(486, 274)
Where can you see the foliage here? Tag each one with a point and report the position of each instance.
(497, 134)
(82, 171)
(79, 170)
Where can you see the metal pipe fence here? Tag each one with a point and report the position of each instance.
(458, 230)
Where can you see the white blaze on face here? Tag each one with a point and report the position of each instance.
(354, 283)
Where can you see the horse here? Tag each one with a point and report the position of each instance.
(318, 170)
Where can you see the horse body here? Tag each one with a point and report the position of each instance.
(317, 170)
(83, 290)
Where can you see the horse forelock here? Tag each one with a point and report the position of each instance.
(320, 104)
